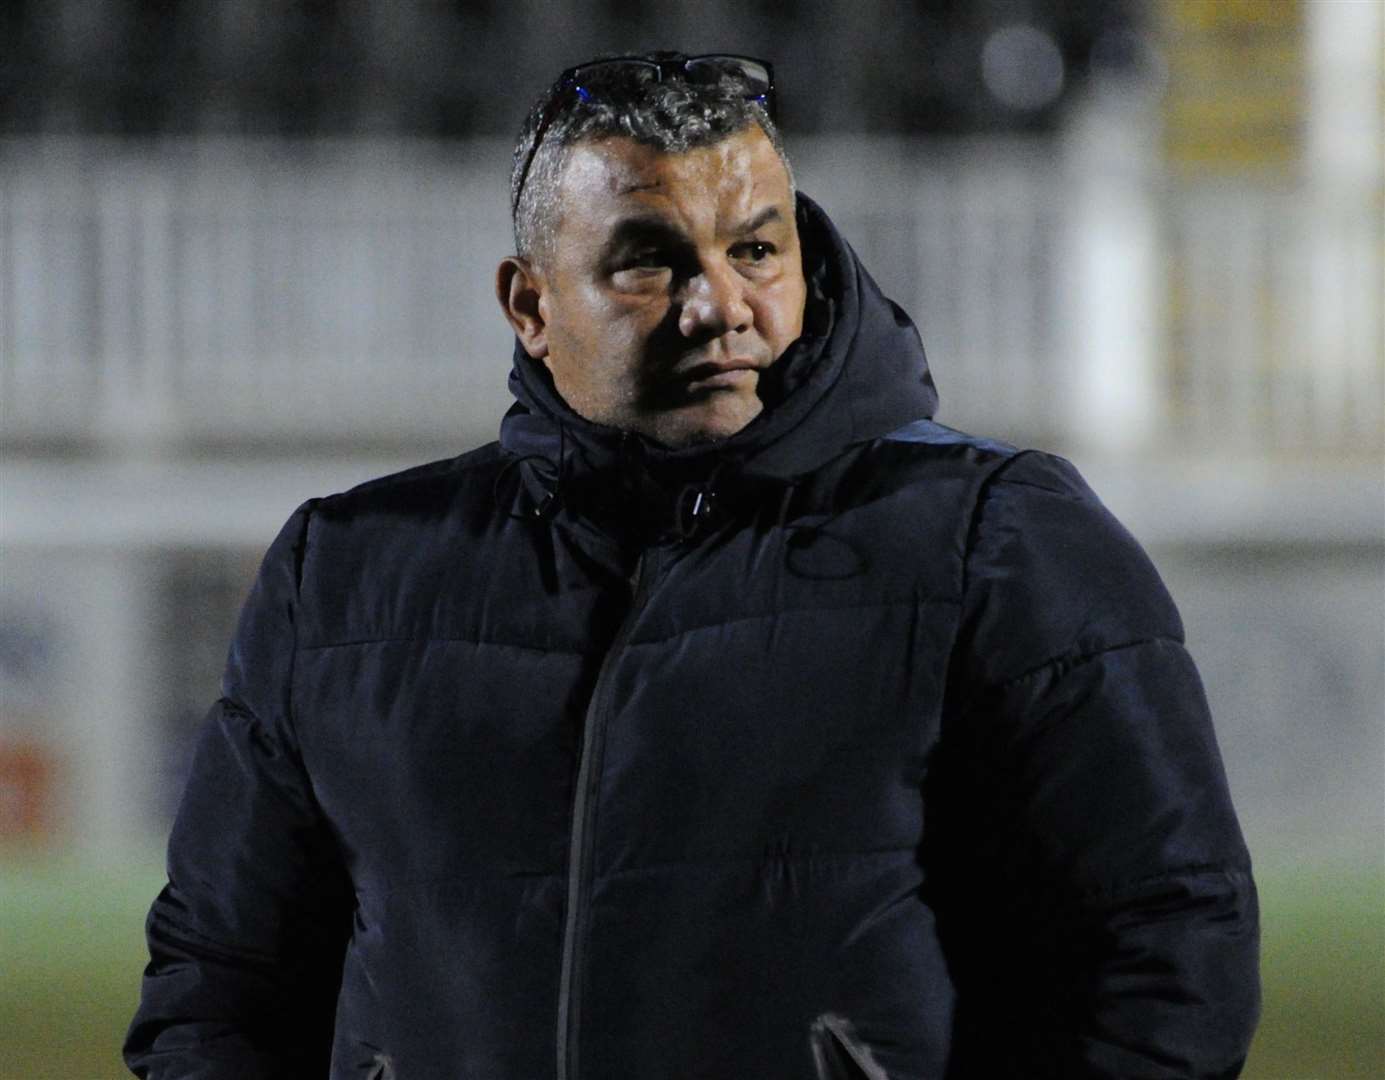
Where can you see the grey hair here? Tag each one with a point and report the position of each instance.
(672, 116)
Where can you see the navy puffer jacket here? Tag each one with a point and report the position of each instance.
(850, 747)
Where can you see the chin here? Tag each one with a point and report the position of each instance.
(707, 422)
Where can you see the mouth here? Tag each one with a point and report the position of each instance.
(728, 375)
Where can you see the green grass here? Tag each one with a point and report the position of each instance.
(71, 955)
(1323, 971)
(72, 949)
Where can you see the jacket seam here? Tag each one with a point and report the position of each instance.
(949, 659)
(1062, 493)
(1118, 891)
(449, 639)
(193, 936)
(767, 859)
(438, 469)
(913, 601)
(977, 508)
(849, 385)
(300, 556)
(1071, 661)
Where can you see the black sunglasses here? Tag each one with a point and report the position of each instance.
(757, 77)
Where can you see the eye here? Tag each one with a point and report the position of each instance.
(645, 259)
(753, 251)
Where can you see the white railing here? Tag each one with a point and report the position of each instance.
(1276, 317)
(243, 292)
(253, 292)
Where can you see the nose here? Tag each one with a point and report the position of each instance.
(714, 304)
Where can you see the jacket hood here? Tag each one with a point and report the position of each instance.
(857, 373)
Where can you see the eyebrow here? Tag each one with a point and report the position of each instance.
(640, 227)
(638, 185)
(760, 220)
(634, 229)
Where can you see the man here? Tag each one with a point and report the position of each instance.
(729, 718)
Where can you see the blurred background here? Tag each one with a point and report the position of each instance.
(246, 249)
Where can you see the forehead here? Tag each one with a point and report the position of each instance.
(716, 185)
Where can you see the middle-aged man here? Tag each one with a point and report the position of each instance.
(727, 719)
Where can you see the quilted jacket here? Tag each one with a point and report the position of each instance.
(853, 746)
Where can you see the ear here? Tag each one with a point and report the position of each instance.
(519, 288)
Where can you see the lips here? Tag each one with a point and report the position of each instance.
(730, 373)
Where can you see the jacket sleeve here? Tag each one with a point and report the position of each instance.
(1092, 885)
(246, 940)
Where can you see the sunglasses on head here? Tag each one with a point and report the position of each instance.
(756, 76)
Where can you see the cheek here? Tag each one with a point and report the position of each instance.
(780, 315)
(631, 329)
(575, 322)
(599, 354)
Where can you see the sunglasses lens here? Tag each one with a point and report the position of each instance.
(755, 76)
(751, 74)
(600, 70)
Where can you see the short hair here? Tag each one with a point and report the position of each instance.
(673, 116)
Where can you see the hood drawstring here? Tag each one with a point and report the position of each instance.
(551, 503)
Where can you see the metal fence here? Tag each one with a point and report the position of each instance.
(233, 292)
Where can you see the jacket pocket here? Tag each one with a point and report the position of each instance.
(839, 1053)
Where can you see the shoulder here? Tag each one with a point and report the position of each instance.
(1047, 571)
(1007, 482)
(930, 433)
(1002, 470)
(1052, 575)
(402, 507)
(415, 494)
(927, 468)
(393, 537)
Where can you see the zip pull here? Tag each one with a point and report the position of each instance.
(695, 508)
(839, 1053)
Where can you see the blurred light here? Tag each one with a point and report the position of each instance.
(1127, 55)
(1022, 67)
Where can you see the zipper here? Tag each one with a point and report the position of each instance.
(579, 874)
(839, 1053)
